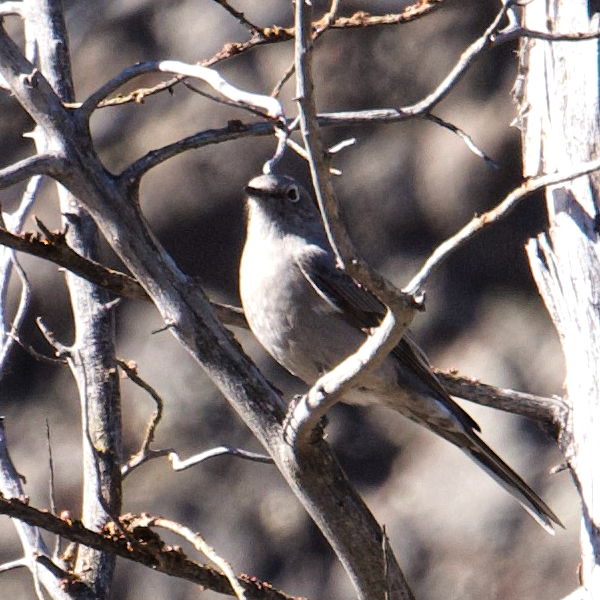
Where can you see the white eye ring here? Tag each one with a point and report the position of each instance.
(292, 194)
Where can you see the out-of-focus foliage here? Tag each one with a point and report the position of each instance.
(405, 187)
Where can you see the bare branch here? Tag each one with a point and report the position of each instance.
(148, 550)
(254, 29)
(213, 78)
(51, 485)
(224, 101)
(234, 130)
(14, 564)
(507, 35)
(464, 137)
(196, 540)
(327, 20)
(56, 250)
(140, 457)
(549, 413)
(442, 90)
(60, 350)
(271, 105)
(14, 221)
(32, 90)
(182, 465)
(276, 34)
(35, 354)
(19, 318)
(477, 223)
(40, 164)
(92, 102)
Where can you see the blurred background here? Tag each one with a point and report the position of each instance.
(405, 188)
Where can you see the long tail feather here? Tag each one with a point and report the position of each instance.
(486, 458)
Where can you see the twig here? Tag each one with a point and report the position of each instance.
(464, 137)
(146, 552)
(51, 360)
(140, 459)
(512, 33)
(196, 540)
(235, 130)
(441, 91)
(479, 222)
(241, 18)
(143, 454)
(14, 222)
(14, 564)
(283, 80)
(181, 465)
(335, 149)
(52, 489)
(272, 106)
(210, 76)
(60, 349)
(327, 20)
(23, 307)
(276, 34)
(224, 101)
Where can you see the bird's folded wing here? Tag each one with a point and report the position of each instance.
(361, 309)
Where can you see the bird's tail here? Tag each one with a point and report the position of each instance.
(486, 458)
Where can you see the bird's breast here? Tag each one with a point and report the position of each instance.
(293, 323)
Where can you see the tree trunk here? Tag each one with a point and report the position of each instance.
(559, 123)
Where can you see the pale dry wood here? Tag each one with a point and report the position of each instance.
(558, 92)
(92, 355)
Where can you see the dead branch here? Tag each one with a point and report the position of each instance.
(148, 550)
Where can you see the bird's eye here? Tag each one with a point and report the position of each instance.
(293, 194)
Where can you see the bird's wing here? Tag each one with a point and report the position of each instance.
(361, 309)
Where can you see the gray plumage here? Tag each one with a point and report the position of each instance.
(309, 316)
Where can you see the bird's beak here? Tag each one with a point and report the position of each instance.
(255, 192)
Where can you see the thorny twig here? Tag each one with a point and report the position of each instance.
(276, 34)
(253, 29)
(148, 550)
(196, 540)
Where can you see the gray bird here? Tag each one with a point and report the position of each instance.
(309, 316)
